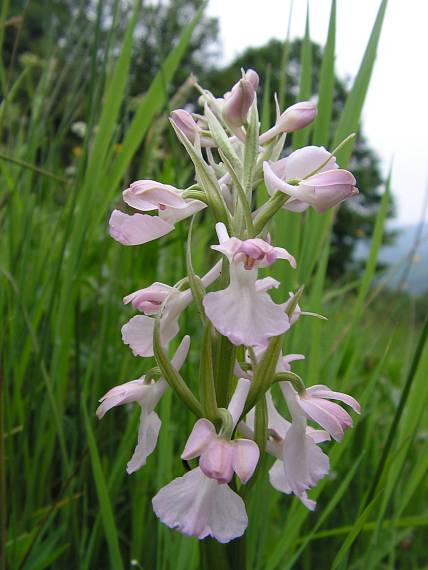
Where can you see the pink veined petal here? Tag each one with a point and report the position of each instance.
(148, 433)
(174, 215)
(123, 394)
(322, 391)
(305, 160)
(274, 182)
(295, 205)
(282, 253)
(243, 314)
(138, 334)
(267, 283)
(202, 434)
(279, 482)
(198, 506)
(150, 298)
(148, 195)
(328, 415)
(317, 435)
(284, 362)
(337, 177)
(237, 402)
(277, 477)
(181, 353)
(304, 462)
(245, 458)
(137, 229)
(276, 422)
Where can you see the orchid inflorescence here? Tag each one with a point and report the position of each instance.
(243, 328)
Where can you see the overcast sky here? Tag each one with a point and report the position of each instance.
(395, 116)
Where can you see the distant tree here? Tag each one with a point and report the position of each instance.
(355, 218)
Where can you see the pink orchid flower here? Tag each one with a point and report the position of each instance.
(244, 312)
(315, 405)
(326, 188)
(147, 396)
(201, 503)
(148, 195)
(138, 331)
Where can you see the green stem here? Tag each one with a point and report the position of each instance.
(206, 377)
(269, 209)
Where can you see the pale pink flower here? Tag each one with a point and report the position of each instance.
(324, 189)
(138, 228)
(311, 461)
(147, 395)
(138, 331)
(237, 103)
(244, 312)
(199, 506)
(201, 503)
(315, 405)
(295, 117)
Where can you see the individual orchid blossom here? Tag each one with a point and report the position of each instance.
(315, 405)
(148, 195)
(242, 312)
(147, 395)
(200, 503)
(310, 176)
(138, 331)
(230, 160)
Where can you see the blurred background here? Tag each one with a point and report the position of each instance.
(86, 88)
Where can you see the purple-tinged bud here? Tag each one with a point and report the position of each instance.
(185, 122)
(297, 116)
(237, 104)
(253, 78)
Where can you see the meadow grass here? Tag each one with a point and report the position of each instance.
(65, 498)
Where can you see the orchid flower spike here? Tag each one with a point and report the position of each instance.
(311, 177)
(201, 503)
(147, 395)
(244, 312)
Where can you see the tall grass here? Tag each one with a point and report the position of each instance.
(65, 497)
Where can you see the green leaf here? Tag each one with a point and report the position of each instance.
(107, 516)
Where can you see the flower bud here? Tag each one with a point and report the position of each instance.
(253, 78)
(297, 116)
(185, 122)
(237, 104)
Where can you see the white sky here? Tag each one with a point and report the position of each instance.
(395, 116)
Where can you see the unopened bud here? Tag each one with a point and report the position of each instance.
(253, 78)
(238, 103)
(297, 116)
(185, 122)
